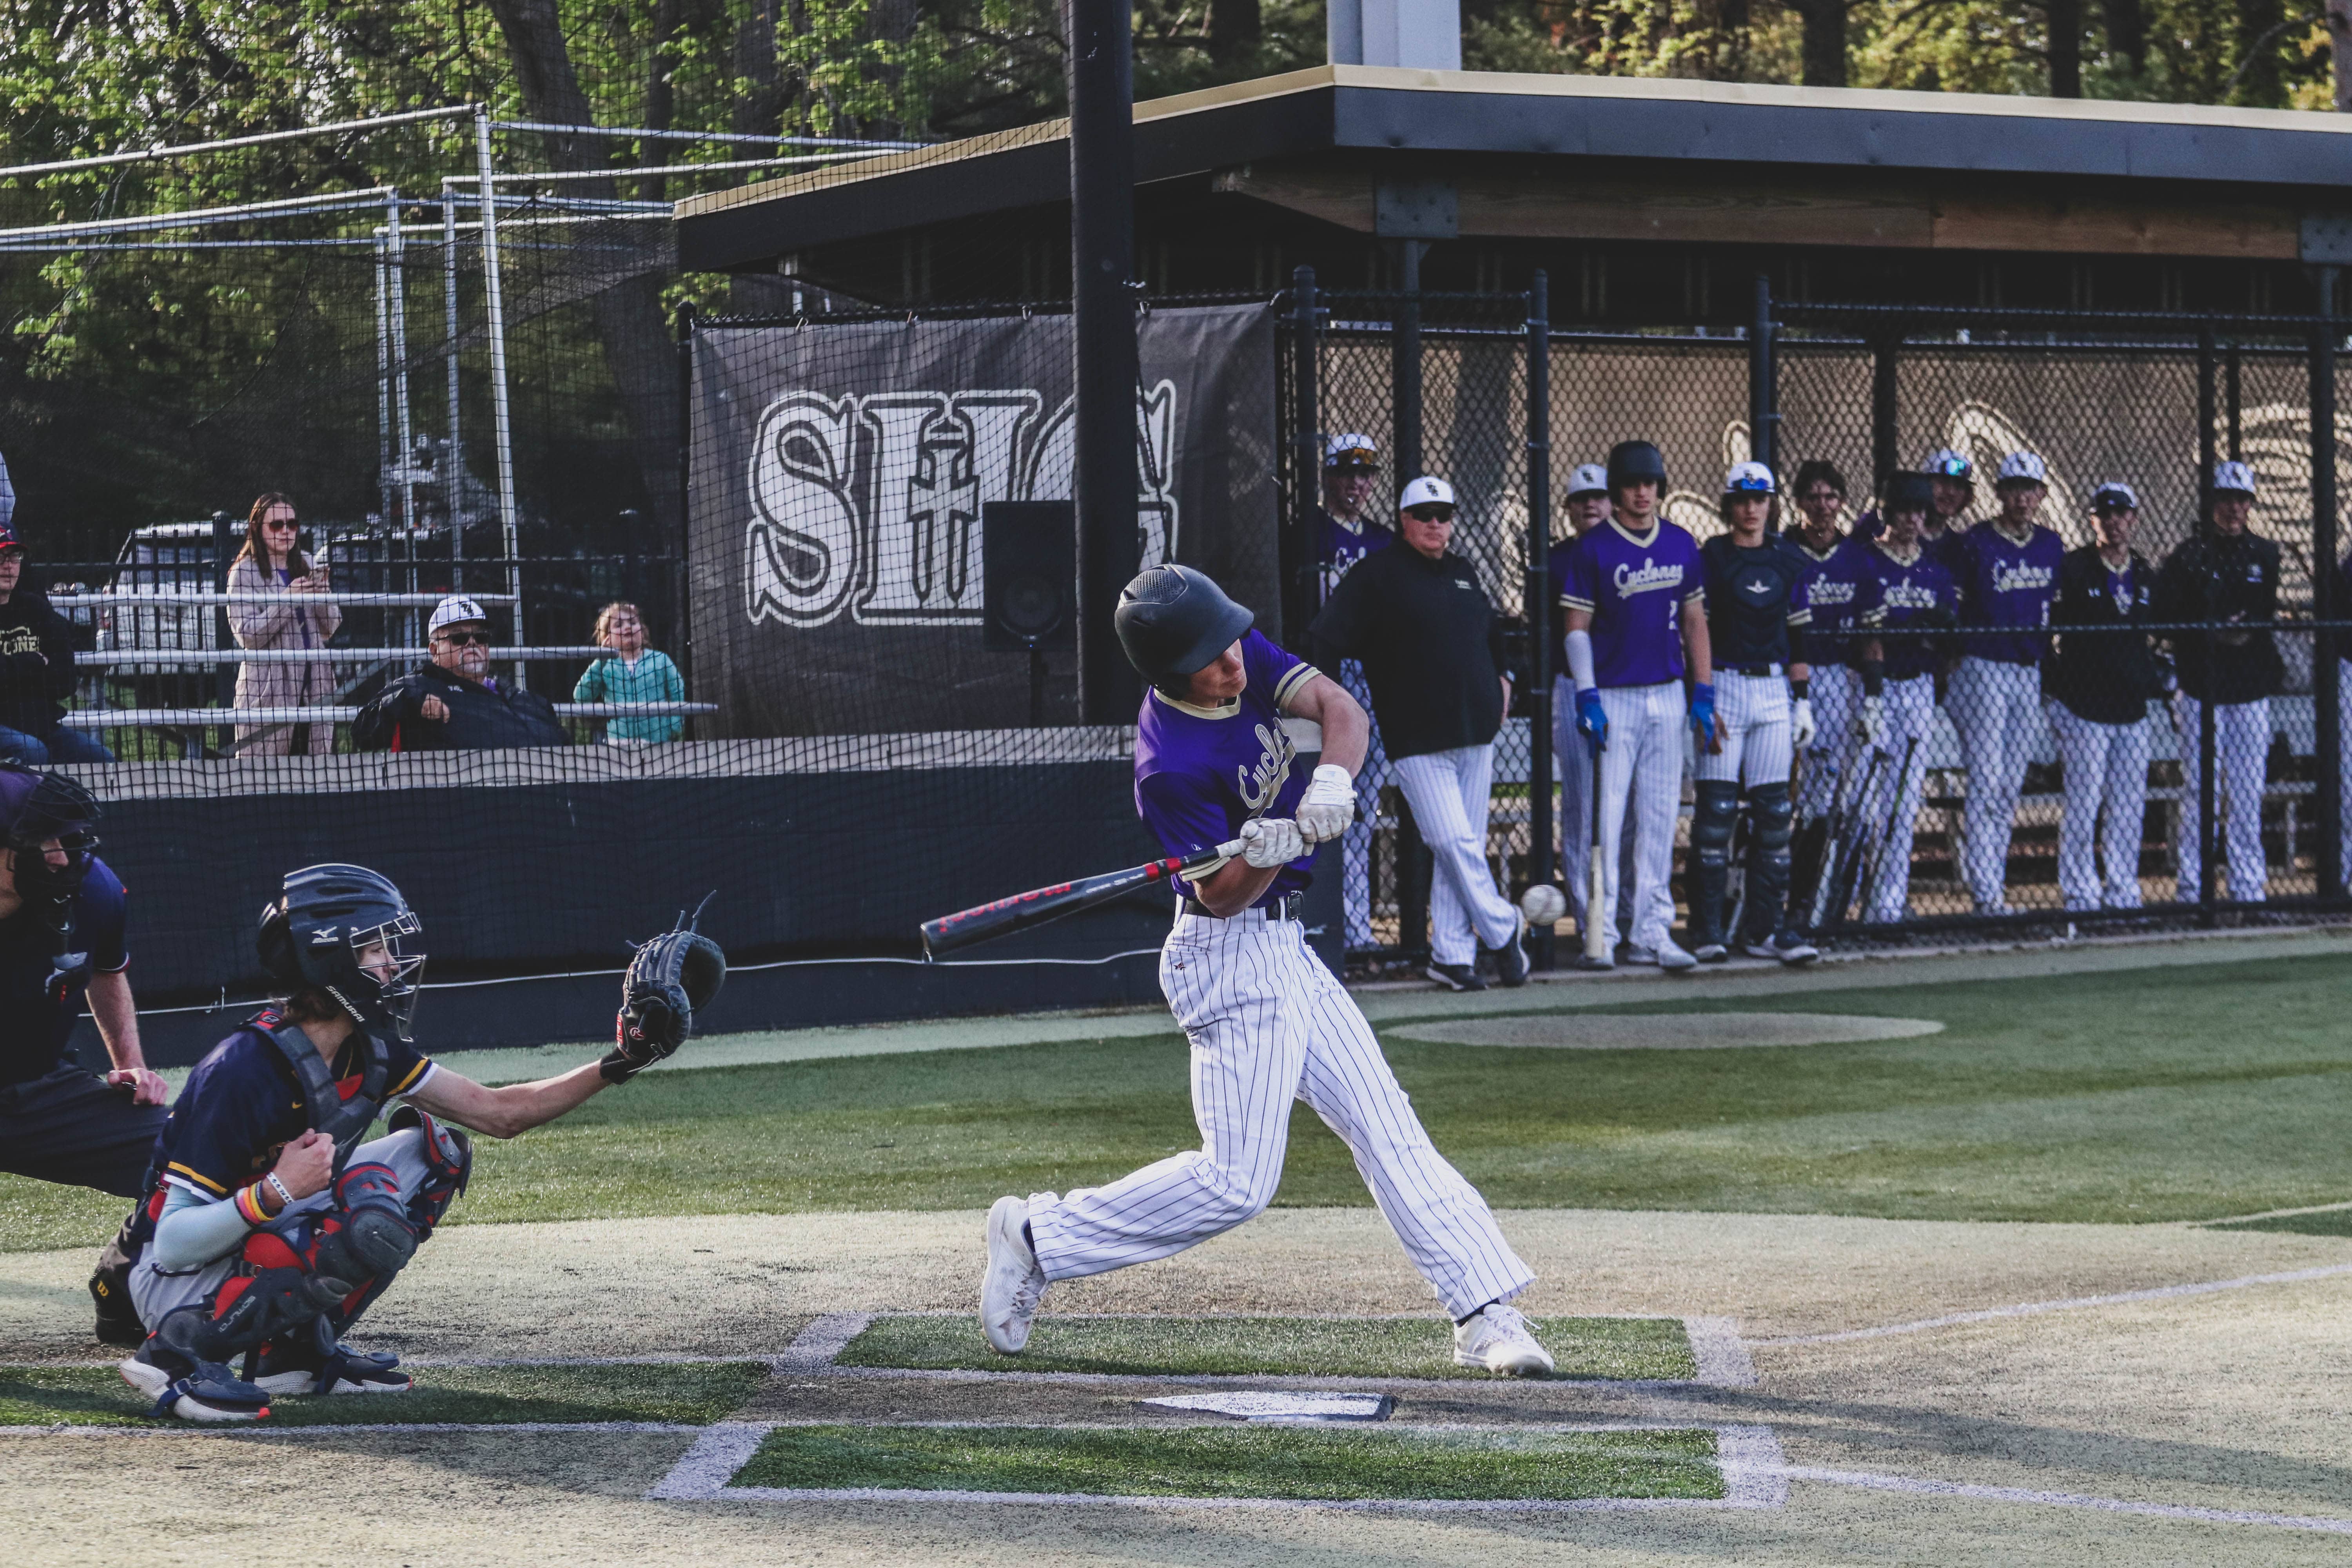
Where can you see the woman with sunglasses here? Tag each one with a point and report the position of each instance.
(272, 561)
(454, 703)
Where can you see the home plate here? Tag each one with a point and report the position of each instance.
(1249, 1405)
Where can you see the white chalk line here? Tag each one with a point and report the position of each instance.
(1747, 1457)
(2071, 1303)
(1916, 1486)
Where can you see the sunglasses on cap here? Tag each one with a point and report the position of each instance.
(1353, 458)
(463, 639)
(2113, 503)
(1952, 469)
(1435, 511)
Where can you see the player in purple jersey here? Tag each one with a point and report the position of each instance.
(1346, 532)
(1268, 1022)
(1829, 595)
(1903, 590)
(1636, 605)
(2007, 576)
(1953, 477)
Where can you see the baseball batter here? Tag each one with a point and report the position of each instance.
(1346, 534)
(1635, 608)
(1756, 619)
(1268, 1022)
(268, 1226)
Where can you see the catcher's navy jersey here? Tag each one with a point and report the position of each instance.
(1753, 597)
(242, 1105)
(1200, 773)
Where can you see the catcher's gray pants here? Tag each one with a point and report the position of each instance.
(1997, 708)
(1450, 796)
(1269, 1026)
(158, 1291)
(1356, 843)
(2241, 745)
(2105, 768)
(1573, 756)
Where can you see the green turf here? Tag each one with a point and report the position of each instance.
(1310, 1464)
(1318, 1347)
(2151, 1094)
(2328, 1222)
(696, 1393)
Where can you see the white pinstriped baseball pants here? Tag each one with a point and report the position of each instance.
(1356, 843)
(2242, 745)
(2344, 763)
(1573, 757)
(1450, 794)
(1642, 766)
(2105, 766)
(1837, 704)
(1996, 706)
(1752, 719)
(1269, 1024)
(1891, 815)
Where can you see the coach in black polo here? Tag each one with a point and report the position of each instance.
(1432, 647)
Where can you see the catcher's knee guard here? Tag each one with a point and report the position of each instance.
(364, 1240)
(1775, 819)
(449, 1156)
(1713, 817)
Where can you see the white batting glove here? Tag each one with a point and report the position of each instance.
(1800, 723)
(1270, 841)
(1328, 805)
(1871, 723)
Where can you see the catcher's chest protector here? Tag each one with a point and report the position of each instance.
(345, 1120)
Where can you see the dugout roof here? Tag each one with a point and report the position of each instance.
(1401, 153)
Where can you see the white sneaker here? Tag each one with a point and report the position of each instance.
(1672, 956)
(1497, 1340)
(1013, 1285)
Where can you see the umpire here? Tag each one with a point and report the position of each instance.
(1432, 648)
(61, 914)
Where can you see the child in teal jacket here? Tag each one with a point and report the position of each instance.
(636, 674)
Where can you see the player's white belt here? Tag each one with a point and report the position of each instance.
(1285, 908)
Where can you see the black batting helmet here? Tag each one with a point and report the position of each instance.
(1630, 462)
(312, 935)
(1173, 621)
(1910, 492)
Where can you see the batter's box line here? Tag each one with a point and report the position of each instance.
(1715, 1345)
(1753, 1475)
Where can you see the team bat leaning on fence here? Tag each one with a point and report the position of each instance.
(1003, 917)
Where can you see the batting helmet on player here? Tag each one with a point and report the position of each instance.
(1631, 462)
(1172, 621)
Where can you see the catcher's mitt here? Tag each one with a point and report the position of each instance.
(670, 976)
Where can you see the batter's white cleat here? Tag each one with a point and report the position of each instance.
(1015, 1284)
(1497, 1340)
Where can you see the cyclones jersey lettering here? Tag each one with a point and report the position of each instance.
(1899, 594)
(2007, 583)
(1200, 773)
(1340, 545)
(1612, 575)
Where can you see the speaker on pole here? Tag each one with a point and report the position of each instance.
(1029, 575)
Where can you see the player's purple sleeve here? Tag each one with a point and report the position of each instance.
(1182, 815)
(1582, 589)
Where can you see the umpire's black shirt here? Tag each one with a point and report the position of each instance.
(2217, 576)
(1430, 644)
(481, 716)
(2106, 677)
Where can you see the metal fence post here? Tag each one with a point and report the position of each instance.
(2326, 673)
(224, 548)
(1539, 598)
(1885, 355)
(1413, 868)
(1296, 542)
(2206, 457)
(501, 414)
(1763, 388)
(452, 465)
(681, 615)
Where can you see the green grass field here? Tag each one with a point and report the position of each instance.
(1357, 1347)
(2199, 1092)
(1309, 1464)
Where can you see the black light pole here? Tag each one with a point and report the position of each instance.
(1102, 262)
(1537, 599)
(2328, 674)
(1763, 393)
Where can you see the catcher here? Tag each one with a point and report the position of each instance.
(269, 1225)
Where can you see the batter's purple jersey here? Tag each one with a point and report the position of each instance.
(1897, 594)
(1635, 589)
(1200, 773)
(2005, 583)
(1338, 547)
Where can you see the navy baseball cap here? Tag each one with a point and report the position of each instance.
(8, 539)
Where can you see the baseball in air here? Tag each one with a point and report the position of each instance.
(1544, 904)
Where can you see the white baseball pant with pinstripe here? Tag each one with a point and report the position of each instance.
(1356, 843)
(1269, 1025)
(1837, 704)
(1752, 719)
(1890, 817)
(1449, 793)
(1572, 754)
(2104, 767)
(1643, 766)
(1996, 706)
(2242, 745)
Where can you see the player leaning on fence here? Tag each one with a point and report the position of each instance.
(454, 703)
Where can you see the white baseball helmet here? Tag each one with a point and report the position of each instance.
(1351, 451)
(1750, 480)
(450, 611)
(1426, 490)
(1587, 479)
(2115, 495)
(2233, 479)
(2022, 469)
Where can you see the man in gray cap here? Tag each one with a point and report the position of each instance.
(453, 702)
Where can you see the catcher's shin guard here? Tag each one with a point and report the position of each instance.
(448, 1157)
(1712, 821)
(1769, 856)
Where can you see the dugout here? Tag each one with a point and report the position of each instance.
(1649, 202)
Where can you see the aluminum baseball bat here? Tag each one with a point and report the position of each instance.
(1003, 917)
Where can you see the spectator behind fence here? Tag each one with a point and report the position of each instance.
(1346, 534)
(2007, 572)
(2224, 574)
(635, 674)
(454, 703)
(2099, 684)
(272, 561)
(1433, 650)
(36, 671)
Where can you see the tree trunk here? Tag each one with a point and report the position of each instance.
(1234, 29)
(2127, 32)
(639, 351)
(1824, 46)
(2259, 83)
(2339, 45)
(2065, 48)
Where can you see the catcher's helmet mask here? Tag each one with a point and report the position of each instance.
(313, 937)
(52, 807)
